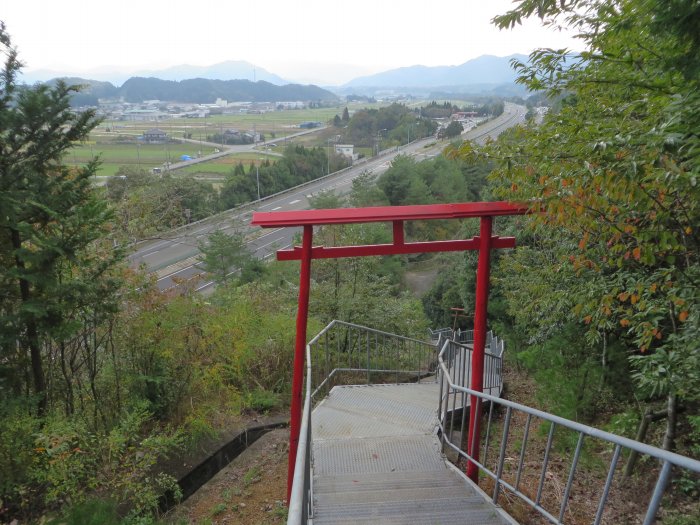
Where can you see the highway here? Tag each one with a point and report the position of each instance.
(174, 257)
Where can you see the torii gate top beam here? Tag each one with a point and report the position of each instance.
(281, 219)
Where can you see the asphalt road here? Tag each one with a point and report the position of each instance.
(174, 257)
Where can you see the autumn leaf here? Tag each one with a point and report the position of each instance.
(582, 243)
(683, 316)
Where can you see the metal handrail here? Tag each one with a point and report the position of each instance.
(667, 458)
(300, 501)
(343, 350)
(336, 322)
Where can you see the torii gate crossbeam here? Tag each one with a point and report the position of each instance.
(397, 215)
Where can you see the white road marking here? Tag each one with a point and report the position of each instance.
(266, 234)
(295, 201)
(269, 243)
(277, 208)
(205, 285)
(174, 273)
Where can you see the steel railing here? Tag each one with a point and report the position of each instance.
(494, 345)
(346, 353)
(511, 468)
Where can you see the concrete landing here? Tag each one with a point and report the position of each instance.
(377, 460)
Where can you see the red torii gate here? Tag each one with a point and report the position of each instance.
(397, 215)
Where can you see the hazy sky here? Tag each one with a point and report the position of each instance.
(320, 41)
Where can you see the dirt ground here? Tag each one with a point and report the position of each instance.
(251, 490)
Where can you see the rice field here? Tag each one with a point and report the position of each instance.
(113, 155)
(117, 142)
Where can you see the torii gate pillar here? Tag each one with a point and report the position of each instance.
(299, 353)
(483, 271)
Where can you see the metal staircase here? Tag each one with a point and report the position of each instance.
(383, 413)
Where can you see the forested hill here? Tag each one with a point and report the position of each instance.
(196, 90)
(203, 90)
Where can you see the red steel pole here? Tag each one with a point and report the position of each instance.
(299, 354)
(477, 379)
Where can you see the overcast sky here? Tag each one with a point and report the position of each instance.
(320, 41)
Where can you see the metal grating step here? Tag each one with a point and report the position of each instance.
(367, 456)
(376, 460)
(392, 490)
(375, 482)
(345, 409)
(438, 512)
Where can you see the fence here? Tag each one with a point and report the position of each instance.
(512, 468)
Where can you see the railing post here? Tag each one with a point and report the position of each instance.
(299, 350)
(480, 307)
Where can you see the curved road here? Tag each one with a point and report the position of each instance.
(174, 257)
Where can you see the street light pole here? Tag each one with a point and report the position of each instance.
(257, 176)
(328, 158)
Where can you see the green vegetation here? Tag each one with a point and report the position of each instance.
(223, 252)
(454, 129)
(385, 127)
(601, 299)
(298, 165)
(145, 204)
(490, 107)
(102, 376)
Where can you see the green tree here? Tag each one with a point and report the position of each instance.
(50, 224)
(346, 115)
(365, 192)
(614, 172)
(326, 199)
(146, 204)
(454, 129)
(224, 254)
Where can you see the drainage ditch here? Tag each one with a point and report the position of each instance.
(209, 467)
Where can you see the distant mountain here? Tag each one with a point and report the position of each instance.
(484, 70)
(229, 70)
(91, 92)
(90, 87)
(206, 91)
(195, 90)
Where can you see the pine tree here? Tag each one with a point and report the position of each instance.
(52, 270)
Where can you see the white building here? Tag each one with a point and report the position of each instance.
(347, 150)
